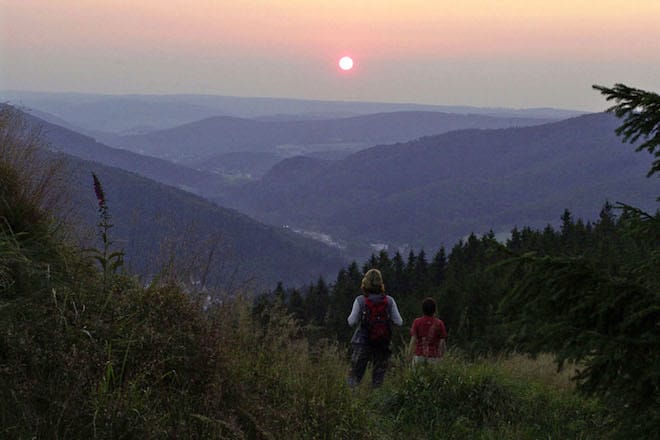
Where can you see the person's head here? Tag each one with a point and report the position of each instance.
(373, 282)
(428, 306)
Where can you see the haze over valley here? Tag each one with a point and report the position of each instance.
(421, 179)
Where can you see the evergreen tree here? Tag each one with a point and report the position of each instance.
(550, 241)
(343, 293)
(279, 294)
(640, 111)
(296, 305)
(317, 302)
(421, 280)
(384, 264)
(410, 265)
(438, 268)
(371, 264)
(601, 308)
(401, 282)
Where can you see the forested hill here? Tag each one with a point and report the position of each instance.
(87, 148)
(159, 226)
(223, 134)
(436, 189)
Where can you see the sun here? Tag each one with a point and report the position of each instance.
(346, 63)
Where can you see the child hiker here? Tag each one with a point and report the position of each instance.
(427, 336)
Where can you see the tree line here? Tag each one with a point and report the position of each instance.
(469, 282)
(587, 292)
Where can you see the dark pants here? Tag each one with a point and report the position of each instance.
(360, 358)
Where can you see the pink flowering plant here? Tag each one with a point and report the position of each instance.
(109, 261)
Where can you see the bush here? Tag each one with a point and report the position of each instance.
(457, 399)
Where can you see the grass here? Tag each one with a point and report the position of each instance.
(154, 364)
(542, 369)
(489, 400)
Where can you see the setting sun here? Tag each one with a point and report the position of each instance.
(346, 63)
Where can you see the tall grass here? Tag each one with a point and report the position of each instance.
(542, 369)
(155, 365)
(460, 399)
(32, 184)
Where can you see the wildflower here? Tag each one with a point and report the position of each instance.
(98, 190)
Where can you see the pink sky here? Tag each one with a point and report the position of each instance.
(514, 53)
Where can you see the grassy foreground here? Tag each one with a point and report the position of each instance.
(137, 362)
(486, 400)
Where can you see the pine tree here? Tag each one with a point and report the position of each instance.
(317, 302)
(438, 268)
(401, 282)
(342, 295)
(279, 294)
(640, 111)
(296, 305)
(600, 309)
(421, 279)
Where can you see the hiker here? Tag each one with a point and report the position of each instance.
(427, 336)
(374, 311)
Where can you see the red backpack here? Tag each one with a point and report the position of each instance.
(376, 319)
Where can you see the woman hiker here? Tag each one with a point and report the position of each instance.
(374, 311)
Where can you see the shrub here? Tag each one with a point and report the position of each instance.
(457, 399)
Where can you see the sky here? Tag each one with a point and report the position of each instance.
(495, 53)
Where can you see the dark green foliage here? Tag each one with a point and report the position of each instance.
(600, 311)
(434, 190)
(467, 292)
(586, 293)
(472, 293)
(343, 293)
(640, 111)
(457, 400)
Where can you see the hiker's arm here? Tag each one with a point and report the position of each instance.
(394, 313)
(354, 317)
(442, 347)
(412, 345)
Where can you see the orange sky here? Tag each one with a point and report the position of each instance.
(496, 52)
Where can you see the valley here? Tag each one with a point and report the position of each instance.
(400, 181)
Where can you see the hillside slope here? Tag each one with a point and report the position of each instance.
(70, 142)
(207, 138)
(158, 225)
(437, 189)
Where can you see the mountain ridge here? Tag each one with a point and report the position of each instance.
(85, 147)
(123, 113)
(206, 138)
(437, 189)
